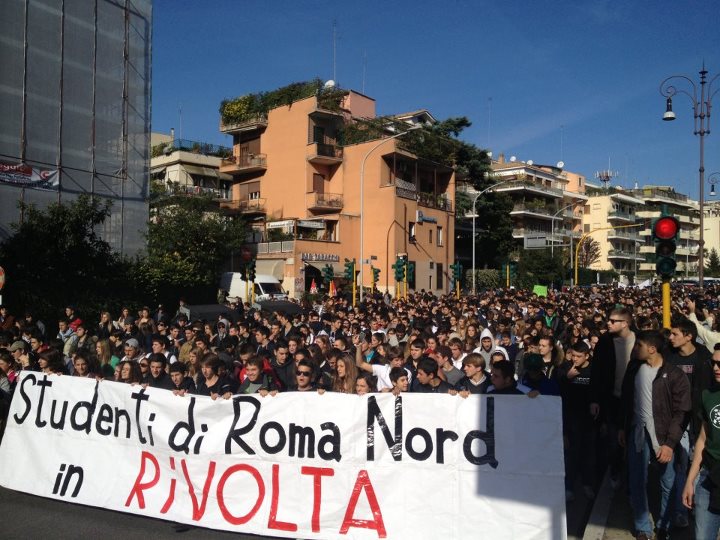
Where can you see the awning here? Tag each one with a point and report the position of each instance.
(338, 267)
(274, 267)
(201, 171)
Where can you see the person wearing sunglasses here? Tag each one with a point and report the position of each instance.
(304, 377)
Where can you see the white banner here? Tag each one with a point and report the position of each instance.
(295, 465)
(22, 175)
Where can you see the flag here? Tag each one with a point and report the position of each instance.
(313, 287)
(332, 290)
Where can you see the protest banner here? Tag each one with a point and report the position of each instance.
(295, 465)
(26, 176)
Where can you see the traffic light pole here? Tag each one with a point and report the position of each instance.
(354, 282)
(666, 302)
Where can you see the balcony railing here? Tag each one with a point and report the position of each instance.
(247, 206)
(215, 193)
(245, 163)
(621, 215)
(531, 186)
(195, 147)
(619, 233)
(620, 254)
(323, 153)
(532, 209)
(248, 124)
(326, 201)
(286, 246)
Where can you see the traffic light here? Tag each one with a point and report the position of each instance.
(328, 273)
(456, 271)
(399, 268)
(664, 233)
(410, 271)
(375, 276)
(349, 269)
(251, 271)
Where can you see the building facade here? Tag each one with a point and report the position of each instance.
(305, 195)
(75, 109)
(610, 220)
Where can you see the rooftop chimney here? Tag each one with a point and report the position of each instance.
(501, 158)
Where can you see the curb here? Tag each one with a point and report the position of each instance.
(595, 528)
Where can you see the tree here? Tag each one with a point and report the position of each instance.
(56, 258)
(188, 243)
(540, 267)
(589, 253)
(713, 266)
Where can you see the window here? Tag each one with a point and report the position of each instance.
(411, 232)
(440, 241)
(586, 228)
(430, 242)
(254, 195)
(439, 277)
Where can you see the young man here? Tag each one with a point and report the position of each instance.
(427, 380)
(158, 377)
(399, 378)
(502, 377)
(304, 377)
(452, 374)
(655, 406)
(475, 380)
(695, 362)
(457, 351)
(182, 384)
(487, 345)
(256, 381)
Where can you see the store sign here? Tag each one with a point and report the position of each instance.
(287, 224)
(311, 224)
(321, 257)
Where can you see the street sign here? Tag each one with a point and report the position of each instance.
(2, 277)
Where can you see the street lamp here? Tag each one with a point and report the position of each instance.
(702, 104)
(552, 229)
(362, 196)
(475, 199)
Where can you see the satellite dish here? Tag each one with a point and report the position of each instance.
(513, 159)
(489, 154)
(168, 150)
(329, 84)
(530, 162)
(560, 164)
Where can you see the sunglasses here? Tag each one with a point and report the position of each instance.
(143, 365)
(302, 373)
(617, 320)
(716, 363)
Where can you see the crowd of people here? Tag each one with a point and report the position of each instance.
(633, 393)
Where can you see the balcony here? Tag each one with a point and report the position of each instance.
(522, 232)
(325, 202)
(173, 189)
(620, 234)
(430, 200)
(324, 154)
(531, 187)
(246, 164)
(533, 210)
(246, 125)
(286, 246)
(620, 254)
(245, 207)
(620, 216)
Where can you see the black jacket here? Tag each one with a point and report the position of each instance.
(671, 401)
(602, 374)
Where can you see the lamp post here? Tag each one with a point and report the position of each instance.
(702, 103)
(362, 197)
(552, 229)
(475, 199)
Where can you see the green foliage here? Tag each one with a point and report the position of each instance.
(484, 279)
(713, 264)
(588, 277)
(188, 243)
(495, 241)
(56, 258)
(259, 104)
(540, 267)
(589, 253)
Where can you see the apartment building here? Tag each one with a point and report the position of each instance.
(547, 201)
(657, 199)
(185, 167)
(609, 218)
(305, 195)
(712, 227)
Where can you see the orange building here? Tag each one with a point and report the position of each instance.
(299, 188)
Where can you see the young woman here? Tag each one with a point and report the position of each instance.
(365, 383)
(105, 326)
(130, 372)
(106, 360)
(51, 362)
(345, 375)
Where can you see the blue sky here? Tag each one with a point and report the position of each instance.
(543, 81)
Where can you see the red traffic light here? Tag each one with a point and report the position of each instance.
(666, 228)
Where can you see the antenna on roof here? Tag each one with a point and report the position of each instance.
(606, 177)
(364, 72)
(334, 47)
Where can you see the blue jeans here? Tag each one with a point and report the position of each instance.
(638, 473)
(707, 523)
(682, 451)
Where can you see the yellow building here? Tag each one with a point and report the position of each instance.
(605, 220)
(300, 189)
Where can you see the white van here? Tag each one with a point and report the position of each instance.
(267, 287)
